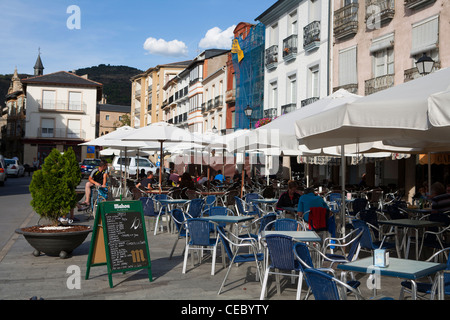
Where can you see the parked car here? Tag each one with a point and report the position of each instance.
(14, 167)
(88, 165)
(3, 174)
(133, 163)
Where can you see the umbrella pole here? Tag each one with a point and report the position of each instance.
(121, 173)
(429, 172)
(161, 161)
(343, 190)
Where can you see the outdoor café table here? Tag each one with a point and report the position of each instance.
(407, 224)
(399, 268)
(303, 236)
(172, 203)
(264, 202)
(292, 210)
(218, 194)
(417, 212)
(228, 219)
(300, 236)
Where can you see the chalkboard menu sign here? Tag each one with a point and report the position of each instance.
(123, 246)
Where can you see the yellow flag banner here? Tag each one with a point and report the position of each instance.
(436, 158)
(236, 48)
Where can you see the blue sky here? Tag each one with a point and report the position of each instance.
(135, 33)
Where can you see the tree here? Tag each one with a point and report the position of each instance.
(53, 186)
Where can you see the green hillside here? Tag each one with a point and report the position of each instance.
(115, 79)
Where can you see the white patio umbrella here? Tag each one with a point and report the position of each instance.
(399, 116)
(414, 114)
(162, 133)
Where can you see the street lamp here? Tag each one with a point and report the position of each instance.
(248, 112)
(425, 64)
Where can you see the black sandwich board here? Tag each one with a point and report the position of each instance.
(119, 239)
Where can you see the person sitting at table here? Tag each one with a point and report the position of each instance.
(309, 200)
(290, 197)
(202, 179)
(143, 186)
(440, 203)
(219, 176)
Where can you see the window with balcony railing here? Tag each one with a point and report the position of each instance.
(271, 56)
(379, 12)
(346, 21)
(290, 47)
(311, 36)
(270, 113)
(417, 4)
(288, 108)
(61, 106)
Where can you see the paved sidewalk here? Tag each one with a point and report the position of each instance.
(23, 276)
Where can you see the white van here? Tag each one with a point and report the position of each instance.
(133, 164)
(3, 174)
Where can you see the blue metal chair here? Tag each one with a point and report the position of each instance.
(282, 258)
(327, 287)
(367, 242)
(195, 207)
(252, 207)
(302, 252)
(232, 247)
(218, 211)
(148, 207)
(285, 224)
(179, 220)
(210, 201)
(241, 210)
(162, 209)
(428, 288)
(199, 239)
(352, 241)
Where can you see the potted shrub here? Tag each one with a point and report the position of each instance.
(53, 196)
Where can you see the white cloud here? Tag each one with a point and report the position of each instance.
(174, 48)
(216, 38)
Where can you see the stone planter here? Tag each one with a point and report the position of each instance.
(55, 242)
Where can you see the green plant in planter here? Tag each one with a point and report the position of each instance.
(53, 186)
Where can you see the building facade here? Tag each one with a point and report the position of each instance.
(13, 130)
(297, 54)
(60, 113)
(377, 42)
(110, 117)
(147, 94)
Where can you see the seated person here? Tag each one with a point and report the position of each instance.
(290, 197)
(146, 184)
(219, 176)
(309, 200)
(97, 178)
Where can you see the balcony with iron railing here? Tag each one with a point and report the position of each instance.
(218, 101)
(346, 21)
(379, 83)
(413, 73)
(61, 133)
(61, 106)
(379, 11)
(271, 57)
(230, 95)
(290, 45)
(417, 4)
(270, 113)
(307, 101)
(288, 108)
(311, 36)
(350, 87)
